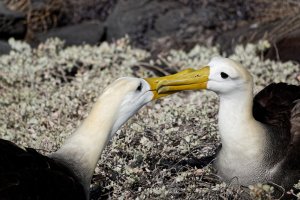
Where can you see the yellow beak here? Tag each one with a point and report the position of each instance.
(156, 83)
(189, 79)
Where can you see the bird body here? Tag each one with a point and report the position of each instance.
(66, 173)
(244, 139)
(260, 136)
(27, 174)
(278, 107)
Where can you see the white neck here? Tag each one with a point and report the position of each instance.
(241, 134)
(82, 150)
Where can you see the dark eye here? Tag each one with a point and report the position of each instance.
(140, 87)
(224, 75)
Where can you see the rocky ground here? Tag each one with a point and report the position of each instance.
(157, 25)
(163, 151)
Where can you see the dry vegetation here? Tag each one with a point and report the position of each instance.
(46, 92)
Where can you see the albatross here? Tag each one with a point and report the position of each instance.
(260, 135)
(66, 173)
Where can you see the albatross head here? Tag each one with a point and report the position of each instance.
(227, 76)
(124, 97)
(221, 75)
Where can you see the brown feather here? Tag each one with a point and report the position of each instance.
(295, 123)
(273, 106)
(278, 107)
(293, 162)
(26, 174)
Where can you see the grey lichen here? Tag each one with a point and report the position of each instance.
(47, 91)
(261, 191)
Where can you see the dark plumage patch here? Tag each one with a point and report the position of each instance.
(273, 106)
(278, 106)
(26, 174)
